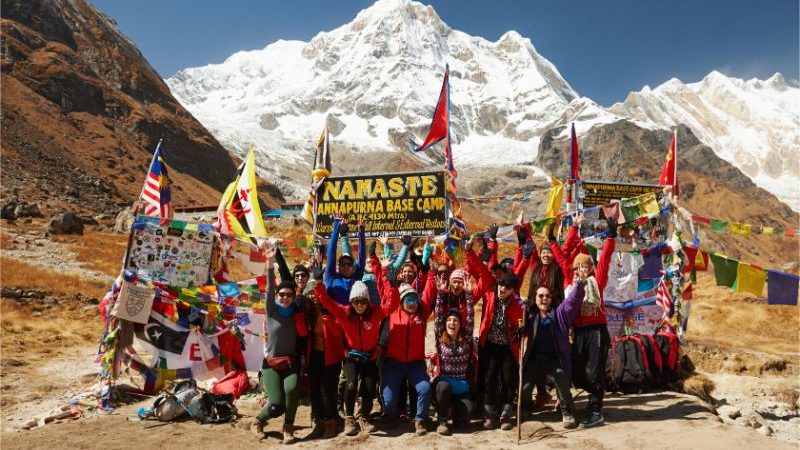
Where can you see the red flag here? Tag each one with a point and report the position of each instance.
(574, 162)
(669, 173)
(439, 125)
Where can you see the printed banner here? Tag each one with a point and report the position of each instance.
(135, 303)
(596, 193)
(638, 319)
(407, 203)
(174, 252)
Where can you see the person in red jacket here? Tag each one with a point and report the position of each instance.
(405, 357)
(499, 349)
(590, 346)
(360, 322)
(325, 354)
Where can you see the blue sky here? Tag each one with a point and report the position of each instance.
(604, 49)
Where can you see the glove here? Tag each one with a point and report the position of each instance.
(406, 239)
(551, 236)
(371, 250)
(343, 229)
(415, 259)
(318, 272)
(527, 249)
(612, 228)
(521, 236)
(492, 231)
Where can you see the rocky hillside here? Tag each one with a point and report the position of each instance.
(82, 111)
(710, 186)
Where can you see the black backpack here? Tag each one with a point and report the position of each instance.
(213, 408)
(653, 375)
(668, 346)
(628, 374)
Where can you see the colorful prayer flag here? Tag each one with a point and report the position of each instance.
(555, 197)
(320, 171)
(239, 213)
(574, 161)
(701, 219)
(750, 279)
(739, 229)
(767, 231)
(664, 298)
(782, 288)
(156, 192)
(669, 172)
(718, 226)
(440, 124)
(725, 270)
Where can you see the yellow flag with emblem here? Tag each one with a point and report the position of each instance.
(239, 213)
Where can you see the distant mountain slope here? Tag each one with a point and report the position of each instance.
(82, 111)
(754, 124)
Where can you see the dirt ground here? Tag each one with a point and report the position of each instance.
(747, 350)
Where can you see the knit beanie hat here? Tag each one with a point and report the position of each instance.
(359, 289)
(300, 269)
(509, 280)
(582, 258)
(290, 284)
(310, 287)
(455, 312)
(458, 274)
(407, 289)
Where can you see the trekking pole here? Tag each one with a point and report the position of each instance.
(522, 342)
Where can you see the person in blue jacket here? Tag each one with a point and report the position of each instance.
(342, 273)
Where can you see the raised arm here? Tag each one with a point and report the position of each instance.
(330, 267)
(283, 268)
(358, 273)
(390, 297)
(269, 303)
(427, 251)
(569, 310)
(339, 311)
(604, 260)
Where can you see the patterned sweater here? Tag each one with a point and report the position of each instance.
(454, 357)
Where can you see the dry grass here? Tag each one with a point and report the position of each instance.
(699, 385)
(103, 252)
(14, 273)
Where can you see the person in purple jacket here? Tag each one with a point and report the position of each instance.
(548, 345)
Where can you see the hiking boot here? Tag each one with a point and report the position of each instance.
(506, 424)
(489, 423)
(317, 429)
(542, 399)
(568, 420)
(288, 435)
(350, 428)
(443, 429)
(330, 429)
(506, 418)
(257, 429)
(592, 420)
(419, 428)
(366, 425)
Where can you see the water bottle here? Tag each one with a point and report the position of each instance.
(146, 413)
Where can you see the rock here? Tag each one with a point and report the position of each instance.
(766, 430)
(10, 292)
(7, 211)
(729, 411)
(65, 223)
(36, 314)
(28, 210)
(88, 220)
(123, 221)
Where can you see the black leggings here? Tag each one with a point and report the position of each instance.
(500, 374)
(323, 381)
(589, 354)
(367, 375)
(462, 406)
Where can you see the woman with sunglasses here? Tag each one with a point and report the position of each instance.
(341, 274)
(284, 325)
(548, 353)
(360, 322)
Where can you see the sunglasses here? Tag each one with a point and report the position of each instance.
(411, 301)
(283, 294)
(359, 301)
(544, 296)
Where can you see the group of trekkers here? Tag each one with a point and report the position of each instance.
(357, 326)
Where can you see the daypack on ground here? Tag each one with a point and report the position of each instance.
(172, 403)
(236, 383)
(668, 345)
(654, 375)
(628, 365)
(213, 408)
(186, 399)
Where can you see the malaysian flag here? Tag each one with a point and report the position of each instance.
(155, 193)
(664, 298)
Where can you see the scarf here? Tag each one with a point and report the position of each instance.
(591, 299)
(286, 311)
